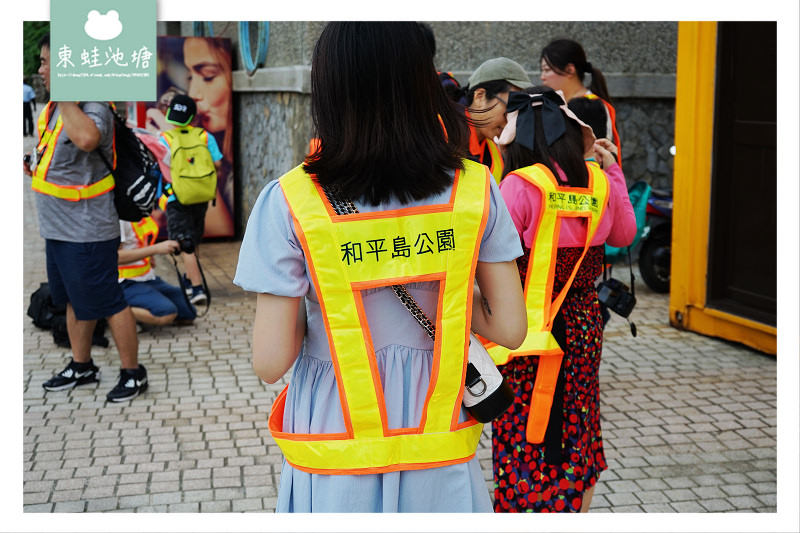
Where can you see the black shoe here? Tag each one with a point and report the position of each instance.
(131, 384)
(198, 295)
(75, 374)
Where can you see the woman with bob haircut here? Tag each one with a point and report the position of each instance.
(565, 209)
(371, 419)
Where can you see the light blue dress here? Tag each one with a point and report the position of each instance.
(271, 261)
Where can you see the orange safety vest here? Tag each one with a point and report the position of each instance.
(557, 202)
(47, 146)
(612, 114)
(479, 150)
(350, 253)
(146, 231)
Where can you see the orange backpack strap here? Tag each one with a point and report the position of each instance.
(544, 389)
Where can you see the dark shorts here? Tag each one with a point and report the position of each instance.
(84, 274)
(186, 221)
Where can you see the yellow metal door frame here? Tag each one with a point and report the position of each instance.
(694, 139)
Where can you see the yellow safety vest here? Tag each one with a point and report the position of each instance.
(496, 165)
(146, 231)
(557, 202)
(47, 145)
(350, 253)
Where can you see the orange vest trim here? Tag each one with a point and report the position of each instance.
(367, 445)
(313, 145)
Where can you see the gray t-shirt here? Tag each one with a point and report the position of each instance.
(90, 220)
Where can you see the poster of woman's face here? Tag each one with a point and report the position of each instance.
(200, 67)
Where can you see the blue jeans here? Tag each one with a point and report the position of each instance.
(158, 297)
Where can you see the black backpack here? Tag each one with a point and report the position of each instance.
(41, 308)
(45, 315)
(137, 178)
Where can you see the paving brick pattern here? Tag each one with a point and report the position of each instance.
(689, 422)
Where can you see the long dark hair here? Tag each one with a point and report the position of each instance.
(561, 52)
(593, 112)
(379, 110)
(566, 151)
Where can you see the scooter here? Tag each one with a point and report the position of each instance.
(639, 193)
(656, 251)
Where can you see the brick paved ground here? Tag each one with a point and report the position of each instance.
(689, 421)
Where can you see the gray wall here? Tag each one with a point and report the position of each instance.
(273, 126)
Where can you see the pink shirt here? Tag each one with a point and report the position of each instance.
(617, 227)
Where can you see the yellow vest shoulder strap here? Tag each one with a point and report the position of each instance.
(47, 143)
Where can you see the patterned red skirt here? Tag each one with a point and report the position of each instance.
(524, 481)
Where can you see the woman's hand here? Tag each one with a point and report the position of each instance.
(606, 152)
(26, 169)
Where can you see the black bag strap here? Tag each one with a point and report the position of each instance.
(100, 152)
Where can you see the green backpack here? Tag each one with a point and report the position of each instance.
(194, 176)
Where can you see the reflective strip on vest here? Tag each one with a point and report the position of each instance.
(146, 231)
(496, 168)
(557, 202)
(350, 253)
(47, 146)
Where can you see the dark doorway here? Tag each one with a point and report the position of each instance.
(742, 277)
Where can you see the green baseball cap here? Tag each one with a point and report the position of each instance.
(500, 68)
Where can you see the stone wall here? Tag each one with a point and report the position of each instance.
(647, 130)
(638, 60)
(278, 131)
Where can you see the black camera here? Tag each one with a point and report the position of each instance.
(616, 296)
(185, 243)
(27, 159)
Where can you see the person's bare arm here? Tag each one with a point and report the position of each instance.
(79, 127)
(162, 248)
(498, 306)
(278, 332)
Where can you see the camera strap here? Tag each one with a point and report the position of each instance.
(633, 287)
(205, 284)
